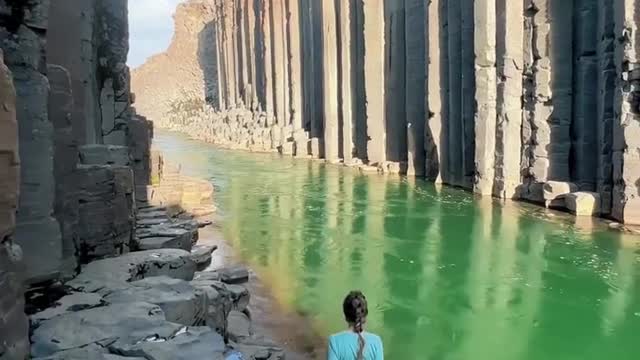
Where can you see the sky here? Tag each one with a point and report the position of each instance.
(150, 27)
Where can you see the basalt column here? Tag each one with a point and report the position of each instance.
(468, 106)
(455, 132)
(498, 82)
(437, 88)
(280, 61)
(485, 96)
(251, 27)
(509, 47)
(244, 62)
(37, 232)
(626, 126)
(227, 21)
(294, 32)
(266, 56)
(374, 90)
(607, 78)
(561, 54)
(330, 68)
(14, 325)
(346, 14)
(66, 156)
(584, 127)
(538, 105)
(415, 22)
(394, 81)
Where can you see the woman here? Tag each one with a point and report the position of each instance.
(355, 343)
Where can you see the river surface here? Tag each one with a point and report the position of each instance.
(447, 275)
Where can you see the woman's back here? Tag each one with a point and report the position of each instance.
(345, 346)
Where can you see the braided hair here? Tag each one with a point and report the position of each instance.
(355, 313)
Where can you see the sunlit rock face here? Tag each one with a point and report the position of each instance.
(497, 97)
(177, 79)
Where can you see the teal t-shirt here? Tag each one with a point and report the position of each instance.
(345, 345)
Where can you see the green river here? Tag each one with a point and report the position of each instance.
(447, 275)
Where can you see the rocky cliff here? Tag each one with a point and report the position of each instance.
(502, 97)
(66, 118)
(89, 248)
(177, 78)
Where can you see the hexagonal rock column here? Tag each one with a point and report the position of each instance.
(14, 326)
(106, 223)
(36, 230)
(65, 159)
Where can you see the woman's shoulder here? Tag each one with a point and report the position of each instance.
(372, 337)
(349, 336)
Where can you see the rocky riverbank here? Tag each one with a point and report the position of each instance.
(165, 300)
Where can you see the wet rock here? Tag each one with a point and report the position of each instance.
(181, 302)
(201, 255)
(240, 296)
(90, 352)
(152, 213)
(554, 193)
(71, 303)
(237, 294)
(126, 323)
(219, 304)
(239, 326)
(234, 275)
(583, 203)
(109, 274)
(189, 343)
(177, 237)
(177, 242)
(260, 352)
(237, 274)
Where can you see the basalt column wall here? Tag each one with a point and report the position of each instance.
(525, 99)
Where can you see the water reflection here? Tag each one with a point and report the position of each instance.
(448, 276)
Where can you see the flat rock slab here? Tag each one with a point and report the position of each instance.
(583, 203)
(152, 213)
(105, 275)
(201, 255)
(231, 275)
(180, 301)
(91, 352)
(127, 323)
(554, 193)
(155, 243)
(189, 344)
(234, 275)
(260, 352)
(142, 223)
(71, 303)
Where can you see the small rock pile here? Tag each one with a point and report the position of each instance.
(155, 303)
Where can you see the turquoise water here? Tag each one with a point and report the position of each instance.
(447, 275)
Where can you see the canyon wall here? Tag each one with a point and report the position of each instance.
(71, 148)
(530, 99)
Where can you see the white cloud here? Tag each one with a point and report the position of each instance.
(151, 28)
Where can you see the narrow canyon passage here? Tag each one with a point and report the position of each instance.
(532, 100)
(449, 276)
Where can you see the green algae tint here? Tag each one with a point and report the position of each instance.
(447, 275)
